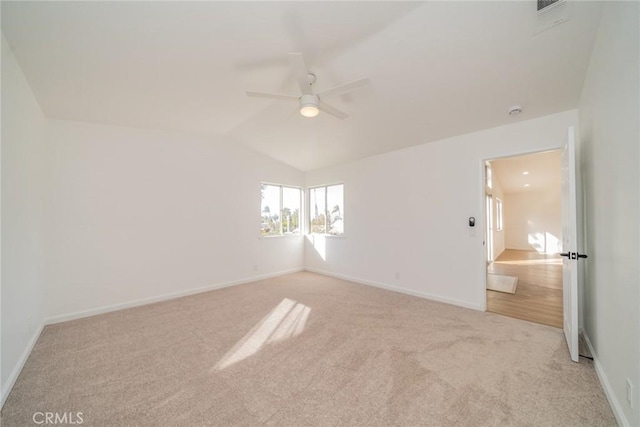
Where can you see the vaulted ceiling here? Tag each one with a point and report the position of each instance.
(438, 69)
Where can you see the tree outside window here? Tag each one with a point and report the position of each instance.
(326, 210)
(280, 210)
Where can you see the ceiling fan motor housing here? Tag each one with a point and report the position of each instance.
(309, 100)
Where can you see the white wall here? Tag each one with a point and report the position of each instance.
(609, 134)
(533, 220)
(23, 192)
(137, 215)
(406, 212)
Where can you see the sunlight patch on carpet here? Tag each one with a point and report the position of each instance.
(285, 321)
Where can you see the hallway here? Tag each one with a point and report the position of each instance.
(538, 296)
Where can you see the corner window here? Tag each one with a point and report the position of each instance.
(280, 210)
(326, 210)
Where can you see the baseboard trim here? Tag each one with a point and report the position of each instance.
(165, 297)
(8, 386)
(424, 295)
(606, 385)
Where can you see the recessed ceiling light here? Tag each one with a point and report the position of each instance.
(515, 110)
(526, 185)
(525, 173)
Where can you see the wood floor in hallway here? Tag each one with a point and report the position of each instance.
(538, 296)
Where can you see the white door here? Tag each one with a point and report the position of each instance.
(570, 246)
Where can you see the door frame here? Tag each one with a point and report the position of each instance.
(482, 253)
(488, 232)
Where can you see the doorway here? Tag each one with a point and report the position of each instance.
(523, 220)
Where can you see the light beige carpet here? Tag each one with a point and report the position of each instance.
(501, 283)
(306, 350)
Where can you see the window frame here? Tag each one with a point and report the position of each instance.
(326, 192)
(281, 188)
(499, 214)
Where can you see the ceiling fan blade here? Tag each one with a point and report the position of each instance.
(271, 95)
(300, 73)
(347, 87)
(332, 110)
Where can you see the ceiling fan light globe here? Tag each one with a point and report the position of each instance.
(309, 110)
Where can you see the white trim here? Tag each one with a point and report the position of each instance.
(6, 388)
(424, 295)
(300, 211)
(136, 303)
(606, 385)
(485, 238)
(325, 185)
(281, 185)
(331, 236)
(326, 193)
(483, 209)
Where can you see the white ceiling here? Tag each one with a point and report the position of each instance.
(543, 172)
(438, 69)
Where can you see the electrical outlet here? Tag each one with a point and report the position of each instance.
(397, 275)
(255, 268)
(629, 393)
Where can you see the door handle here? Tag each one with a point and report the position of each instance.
(573, 255)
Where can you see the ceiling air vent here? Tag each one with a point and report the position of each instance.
(545, 4)
(551, 13)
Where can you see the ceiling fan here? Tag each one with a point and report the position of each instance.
(311, 103)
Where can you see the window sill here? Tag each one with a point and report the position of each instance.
(279, 236)
(331, 236)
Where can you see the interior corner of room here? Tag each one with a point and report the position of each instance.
(136, 170)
